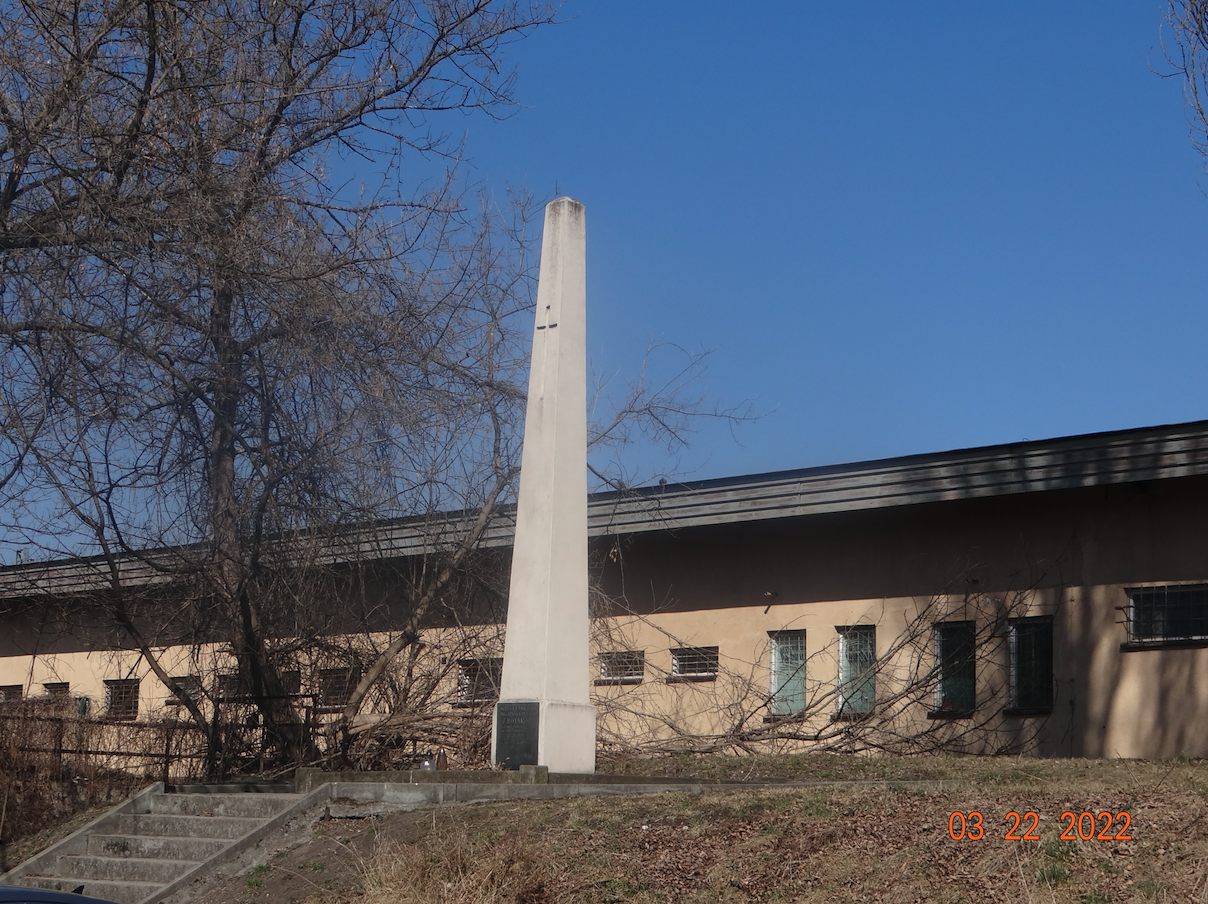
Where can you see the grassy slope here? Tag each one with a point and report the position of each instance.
(888, 843)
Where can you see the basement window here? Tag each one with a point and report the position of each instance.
(1168, 615)
(58, 691)
(121, 699)
(11, 693)
(622, 667)
(1031, 645)
(478, 680)
(693, 664)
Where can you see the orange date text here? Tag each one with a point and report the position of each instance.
(1084, 826)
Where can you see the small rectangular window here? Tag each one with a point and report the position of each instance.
(788, 673)
(956, 668)
(622, 667)
(694, 664)
(11, 693)
(184, 686)
(232, 688)
(1031, 664)
(336, 686)
(58, 691)
(121, 699)
(1164, 614)
(478, 680)
(857, 671)
(291, 682)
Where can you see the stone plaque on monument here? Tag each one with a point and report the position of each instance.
(516, 734)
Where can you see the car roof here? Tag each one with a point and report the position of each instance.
(14, 894)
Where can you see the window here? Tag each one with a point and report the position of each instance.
(857, 671)
(956, 668)
(1031, 664)
(622, 667)
(232, 688)
(1158, 614)
(336, 685)
(58, 691)
(184, 686)
(788, 673)
(11, 693)
(693, 664)
(478, 680)
(291, 681)
(121, 699)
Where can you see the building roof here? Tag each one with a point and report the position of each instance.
(1090, 460)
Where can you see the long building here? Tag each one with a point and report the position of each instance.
(1046, 597)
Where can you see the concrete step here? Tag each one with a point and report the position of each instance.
(233, 788)
(165, 846)
(230, 827)
(121, 892)
(261, 806)
(124, 869)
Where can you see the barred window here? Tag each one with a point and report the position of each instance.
(232, 688)
(478, 680)
(121, 699)
(1158, 614)
(291, 682)
(857, 670)
(788, 673)
(1031, 664)
(694, 664)
(336, 685)
(956, 668)
(622, 667)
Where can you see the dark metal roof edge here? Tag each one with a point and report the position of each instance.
(998, 451)
(978, 472)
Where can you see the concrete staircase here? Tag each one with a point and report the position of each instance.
(153, 843)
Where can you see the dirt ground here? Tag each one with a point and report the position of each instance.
(889, 842)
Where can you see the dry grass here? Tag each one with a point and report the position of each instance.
(883, 844)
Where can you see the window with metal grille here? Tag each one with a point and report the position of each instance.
(787, 672)
(291, 682)
(58, 691)
(121, 699)
(694, 664)
(622, 667)
(478, 680)
(184, 686)
(1163, 614)
(956, 668)
(857, 670)
(1031, 641)
(336, 685)
(232, 688)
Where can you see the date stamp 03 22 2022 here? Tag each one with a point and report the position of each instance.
(1078, 826)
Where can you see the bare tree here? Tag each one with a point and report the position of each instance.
(214, 347)
(226, 349)
(1188, 21)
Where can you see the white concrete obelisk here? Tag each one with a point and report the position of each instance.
(544, 715)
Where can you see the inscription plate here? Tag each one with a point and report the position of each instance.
(516, 734)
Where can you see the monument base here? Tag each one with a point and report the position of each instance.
(559, 736)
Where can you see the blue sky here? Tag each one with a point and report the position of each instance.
(904, 227)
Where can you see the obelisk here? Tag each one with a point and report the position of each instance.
(544, 715)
